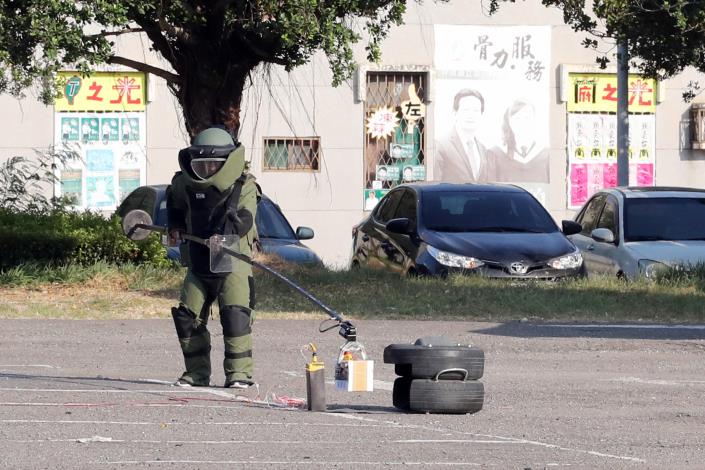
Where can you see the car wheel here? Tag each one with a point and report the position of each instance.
(446, 396)
(426, 361)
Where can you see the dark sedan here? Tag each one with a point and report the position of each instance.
(275, 233)
(492, 230)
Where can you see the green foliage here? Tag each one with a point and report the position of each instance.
(211, 46)
(59, 237)
(665, 36)
(23, 181)
(130, 276)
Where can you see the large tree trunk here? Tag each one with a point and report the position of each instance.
(211, 96)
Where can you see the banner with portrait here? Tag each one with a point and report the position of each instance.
(491, 117)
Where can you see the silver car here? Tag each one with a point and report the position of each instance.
(634, 232)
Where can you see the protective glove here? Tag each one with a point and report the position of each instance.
(241, 219)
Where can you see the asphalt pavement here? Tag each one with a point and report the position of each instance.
(97, 394)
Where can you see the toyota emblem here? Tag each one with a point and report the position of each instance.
(518, 268)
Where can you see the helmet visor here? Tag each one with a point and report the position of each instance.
(204, 168)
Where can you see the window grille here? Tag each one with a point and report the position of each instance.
(395, 153)
(291, 154)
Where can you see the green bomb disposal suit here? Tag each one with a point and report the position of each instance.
(223, 203)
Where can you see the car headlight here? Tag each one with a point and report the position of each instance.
(650, 268)
(453, 260)
(571, 261)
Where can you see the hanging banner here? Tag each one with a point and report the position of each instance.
(102, 91)
(598, 93)
(592, 154)
(492, 100)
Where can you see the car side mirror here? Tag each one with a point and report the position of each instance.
(304, 233)
(571, 227)
(603, 235)
(402, 225)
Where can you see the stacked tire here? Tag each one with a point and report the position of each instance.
(437, 376)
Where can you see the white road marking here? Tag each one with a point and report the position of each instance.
(485, 437)
(630, 326)
(330, 463)
(176, 390)
(44, 366)
(268, 442)
(490, 436)
(210, 423)
(176, 404)
(654, 381)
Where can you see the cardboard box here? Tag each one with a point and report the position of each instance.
(357, 378)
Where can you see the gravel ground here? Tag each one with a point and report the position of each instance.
(96, 394)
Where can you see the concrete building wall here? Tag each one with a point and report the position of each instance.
(303, 103)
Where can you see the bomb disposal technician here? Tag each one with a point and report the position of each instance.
(212, 194)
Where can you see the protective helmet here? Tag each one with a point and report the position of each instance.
(208, 152)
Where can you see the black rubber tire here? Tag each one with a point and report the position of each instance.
(400, 393)
(402, 370)
(435, 341)
(425, 362)
(446, 396)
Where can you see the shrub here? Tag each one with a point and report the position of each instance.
(58, 236)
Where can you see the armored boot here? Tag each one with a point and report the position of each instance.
(237, 336)
(195, 341)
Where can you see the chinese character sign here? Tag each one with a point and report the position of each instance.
(381, 123)
(102, 91)
(412, 109)
(598, 93)
(592, 153)
(492, 105)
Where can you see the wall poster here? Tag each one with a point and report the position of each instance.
(395, 136)
(492, 105)
(592, 135)
(101, 119)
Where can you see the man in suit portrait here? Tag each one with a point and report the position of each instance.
(460, 157)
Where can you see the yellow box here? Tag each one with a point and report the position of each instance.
(359, 376)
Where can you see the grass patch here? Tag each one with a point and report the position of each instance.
(108, 291)
(382, 295)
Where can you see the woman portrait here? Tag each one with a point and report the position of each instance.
(521, 158)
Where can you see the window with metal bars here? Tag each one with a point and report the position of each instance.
(291, 154)
(395, 140)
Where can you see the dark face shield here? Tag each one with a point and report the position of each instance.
(204, 168)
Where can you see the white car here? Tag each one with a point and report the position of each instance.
(634, 232)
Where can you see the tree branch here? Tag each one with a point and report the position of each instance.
(260, 53)
(170, 29)
(115, 33)
(142, 67)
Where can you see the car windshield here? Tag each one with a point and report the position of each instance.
(490, 211)
(671, 218)
(271, 223)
